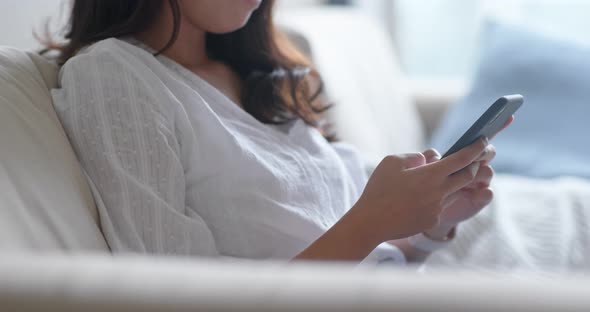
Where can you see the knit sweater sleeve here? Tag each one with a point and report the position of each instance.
(126, 142)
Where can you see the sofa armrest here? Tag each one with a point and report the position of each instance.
(106, 283)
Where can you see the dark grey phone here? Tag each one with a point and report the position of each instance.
(490, 123)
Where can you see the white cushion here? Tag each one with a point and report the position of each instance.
(45, 201)
(356, 58)
(98, 284)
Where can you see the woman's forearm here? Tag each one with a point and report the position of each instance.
(352, 239)
(347, 240)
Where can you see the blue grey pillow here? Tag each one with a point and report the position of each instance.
(549, 136)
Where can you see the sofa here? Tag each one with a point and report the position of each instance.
(53, 256)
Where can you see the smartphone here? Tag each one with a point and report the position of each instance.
(490, 123)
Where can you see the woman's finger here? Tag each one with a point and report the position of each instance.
(409, 161)
(431, 155)
(510, 120)
(487, 155)
(461, 179)
(479, 197)
(461, 159)
(483, 178)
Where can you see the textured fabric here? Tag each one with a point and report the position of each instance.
(177, 168)
(45, 202)
(548, 138)
(541, 225)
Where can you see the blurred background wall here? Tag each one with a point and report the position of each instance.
(437, 40)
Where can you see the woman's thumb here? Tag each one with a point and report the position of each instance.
(414, 160)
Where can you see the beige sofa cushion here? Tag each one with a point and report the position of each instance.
(45, 202)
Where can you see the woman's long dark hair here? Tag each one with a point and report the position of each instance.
(276, 78)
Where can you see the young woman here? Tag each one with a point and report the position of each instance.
(201, 132)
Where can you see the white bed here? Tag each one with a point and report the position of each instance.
(532, 224)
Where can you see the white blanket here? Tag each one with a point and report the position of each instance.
(531, 225)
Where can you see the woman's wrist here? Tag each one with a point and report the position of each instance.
(356, 221)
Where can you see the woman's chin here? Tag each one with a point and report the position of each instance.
(230, 27)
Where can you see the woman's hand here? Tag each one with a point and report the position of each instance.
(468, 201)
(409, 194)
(406, 195)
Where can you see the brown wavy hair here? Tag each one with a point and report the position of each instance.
(279, 82)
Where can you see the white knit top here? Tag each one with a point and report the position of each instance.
(178, 168)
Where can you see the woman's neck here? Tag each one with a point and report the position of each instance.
(189, 49)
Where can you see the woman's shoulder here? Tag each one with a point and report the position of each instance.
(111, 46)
(108, 45)
(108, 54)
(110, 68)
